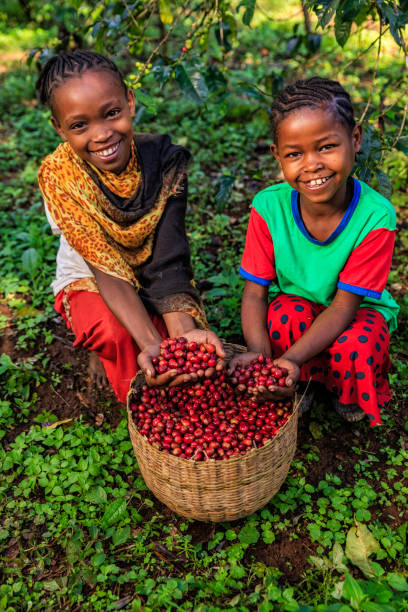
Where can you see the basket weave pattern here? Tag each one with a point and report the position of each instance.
(215, 490)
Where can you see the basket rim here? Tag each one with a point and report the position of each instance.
(202, 464)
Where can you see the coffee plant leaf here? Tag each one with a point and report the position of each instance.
(402, 144)
(249, 11)
(342, 29)
(147, 101)
(384, 184)
(114, 513)
(325, 11)
(193, 87)
(225, 187)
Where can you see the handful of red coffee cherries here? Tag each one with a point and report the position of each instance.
(214, 418)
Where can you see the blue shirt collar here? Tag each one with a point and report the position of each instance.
(341, 226)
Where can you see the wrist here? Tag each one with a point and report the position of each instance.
(147, 340)
(178, 323)
(293, 358)
(259, 347)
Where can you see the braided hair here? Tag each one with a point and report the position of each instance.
(68, 64)
(315, 92)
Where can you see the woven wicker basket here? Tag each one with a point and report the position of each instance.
(215, 490)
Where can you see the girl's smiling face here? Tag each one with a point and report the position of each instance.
(316, 153)
(94, 114)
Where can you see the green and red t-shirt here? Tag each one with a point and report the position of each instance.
(356, 257)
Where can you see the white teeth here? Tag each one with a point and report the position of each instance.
(107, 152)
(319, 181)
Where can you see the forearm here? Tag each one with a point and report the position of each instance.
(328, 326)
(123, 301)
(178, 323)
(254, 311)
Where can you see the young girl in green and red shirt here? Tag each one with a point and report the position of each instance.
(320, 246)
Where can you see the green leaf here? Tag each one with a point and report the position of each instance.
(147, 101)
(363, 514)
(397, 582)
(338, 555)
(322, 563)
(237, 571)
(394, 19)
(166, 16)
(98, 559)
(342, 29)
(216, 292)
(360, 544)
(121, 535)
(327, 13)
(51, 586)
(402, 144)
(97, 495)
(353, 591)
(249, 11)
(268, 536)
(28, 311)
(30, 261)
(115, 511)
(384, 184)
(371, 606)
(248, 535)
(226, 185)
(337, 592)
(316, 430)
(191, 83)
(266, 606)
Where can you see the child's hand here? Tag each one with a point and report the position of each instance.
(241, 360)
(171, 378)
(274, 392)
(203, 336)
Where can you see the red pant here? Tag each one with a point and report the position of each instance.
(354, 368)
(97, 329)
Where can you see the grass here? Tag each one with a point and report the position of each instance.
(79, 529)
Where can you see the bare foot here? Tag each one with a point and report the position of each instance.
(97, 376)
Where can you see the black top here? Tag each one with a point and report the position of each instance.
(168, 269)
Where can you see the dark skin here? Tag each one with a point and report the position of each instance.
(124, 302)
(324, 330)
(316, 153)
(93, 112)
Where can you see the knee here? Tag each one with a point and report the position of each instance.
(293, 313)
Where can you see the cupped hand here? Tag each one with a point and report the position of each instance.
(241, 360)
(171, 378)
(275, 392)
(205, 336)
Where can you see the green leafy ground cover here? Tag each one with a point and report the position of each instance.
(79, 530)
